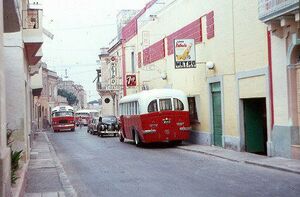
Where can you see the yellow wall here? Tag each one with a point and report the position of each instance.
(281, 114)
(239, 45)
(254, 87)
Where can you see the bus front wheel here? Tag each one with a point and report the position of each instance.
(121, 138)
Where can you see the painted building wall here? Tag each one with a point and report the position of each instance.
(227, 31)
(106, 107)
(118, 94)
(279, 63)
(52, 84)
(286, 132)
(4, 150)
(16, 92)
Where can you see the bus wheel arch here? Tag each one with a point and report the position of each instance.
(136, 137)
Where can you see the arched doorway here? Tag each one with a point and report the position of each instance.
(294, 96)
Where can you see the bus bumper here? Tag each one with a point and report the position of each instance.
(151, 136)
(63, 127)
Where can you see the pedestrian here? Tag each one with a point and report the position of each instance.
(80, 122)
(100, 125)
(45, 123)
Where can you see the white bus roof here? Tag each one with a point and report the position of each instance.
(86, 111)
(154, 93)
(145, 97)
(63, 108)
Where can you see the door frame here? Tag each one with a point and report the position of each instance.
(211, 80)
(265, 132)
(240, 106)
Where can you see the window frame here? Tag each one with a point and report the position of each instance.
(157, 107)
(164, 99)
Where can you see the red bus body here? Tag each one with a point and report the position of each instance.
(158, 126)
(86, 116)
(164, 126)
(63, 118)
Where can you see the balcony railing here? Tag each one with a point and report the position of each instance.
(101, 87)
(270, 9)
(35, 4)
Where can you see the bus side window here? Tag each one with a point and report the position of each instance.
(137, 107)
(152, 107)
(165, 104)
(132, 108)
(178, 105)
(127, 108)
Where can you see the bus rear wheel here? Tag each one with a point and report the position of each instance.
(176, 143)
(137, 139)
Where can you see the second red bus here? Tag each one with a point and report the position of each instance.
(159, 115)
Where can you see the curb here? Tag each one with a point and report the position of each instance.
(272, 167)
(66, 184)
(243, 161)
(206, 153)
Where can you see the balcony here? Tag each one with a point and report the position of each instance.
(37, 83)
(106, 88)
(33, 34)
(271, 9)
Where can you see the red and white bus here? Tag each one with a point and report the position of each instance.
(86, 116)
(158, 115)
(63, 118)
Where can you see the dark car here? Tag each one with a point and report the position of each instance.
(92, 126)
(108, 125)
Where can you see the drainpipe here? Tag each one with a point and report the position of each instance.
(270, 77)
(124, 67)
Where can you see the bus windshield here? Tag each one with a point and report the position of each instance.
(95, 114)
(63, 113)
(83, 114)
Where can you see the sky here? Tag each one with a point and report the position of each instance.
(80, 29)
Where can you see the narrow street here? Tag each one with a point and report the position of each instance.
(106, 167)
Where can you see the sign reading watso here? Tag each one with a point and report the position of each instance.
(184, 53)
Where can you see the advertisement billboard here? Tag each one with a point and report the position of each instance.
(184, 53)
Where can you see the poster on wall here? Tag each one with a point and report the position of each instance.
(131, 80)
(184, 53)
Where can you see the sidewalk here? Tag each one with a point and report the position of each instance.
(46, 176)
(288, 165)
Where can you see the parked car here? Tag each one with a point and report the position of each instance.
(108, 125)
(92, 126)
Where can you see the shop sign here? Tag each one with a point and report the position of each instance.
(113, 80)
(184, 53)
(131, 80)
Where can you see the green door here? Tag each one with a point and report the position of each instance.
(217, 114)
(255, 125)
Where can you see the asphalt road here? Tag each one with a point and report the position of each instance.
(106, 167)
